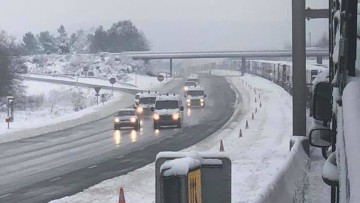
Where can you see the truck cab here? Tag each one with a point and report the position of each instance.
(195, 96)
(168, 111)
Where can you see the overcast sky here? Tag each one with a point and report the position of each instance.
(170, 25)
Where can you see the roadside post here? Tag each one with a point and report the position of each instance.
(112, 82)
(10, 110)
(97, 90)
(207, 177)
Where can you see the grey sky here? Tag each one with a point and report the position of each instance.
(168, 24)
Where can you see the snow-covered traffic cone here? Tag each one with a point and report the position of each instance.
(247, 125)
(260, 105)
(240, 134)
(121, 196)
(222, 146)
(252, 116)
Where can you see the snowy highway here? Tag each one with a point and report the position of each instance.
(65, 162)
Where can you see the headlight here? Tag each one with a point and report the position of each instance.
(186, 88)
(116, 120)
(201, 100)
(139, 110)
(156, 116)
(132, 119)
(175, 116)
(188, 100)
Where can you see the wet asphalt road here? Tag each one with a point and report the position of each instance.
(62, 163)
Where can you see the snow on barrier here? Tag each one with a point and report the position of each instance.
(290, 183)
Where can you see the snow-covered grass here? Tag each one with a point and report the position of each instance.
(65, 106)
(60, 103)
(256, 156)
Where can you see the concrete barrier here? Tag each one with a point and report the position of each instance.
(290, 184)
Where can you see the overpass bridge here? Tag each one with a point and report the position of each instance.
(243, 55)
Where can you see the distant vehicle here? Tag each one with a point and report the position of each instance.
(168, 111)
(126, 118)
(194, 78)
(189, 84)
(195, 96)
(146, 101)
(136, 99)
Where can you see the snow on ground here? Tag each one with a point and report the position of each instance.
(256, 156)
(57, 105)
(57, 111)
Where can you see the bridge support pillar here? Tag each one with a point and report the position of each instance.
(243, 65)
(171, 64)
(319, 60)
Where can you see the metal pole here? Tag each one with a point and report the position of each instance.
(243, 65)
(299, 63)
(171, 67)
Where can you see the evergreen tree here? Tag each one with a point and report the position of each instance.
(63, 41)
(47, 42)
(31, 44)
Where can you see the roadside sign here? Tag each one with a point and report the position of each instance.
(194, 186)
(97, 89)
(160, 78)
(112, 81)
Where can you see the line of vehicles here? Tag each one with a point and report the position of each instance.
(281, 73)
(165, 109)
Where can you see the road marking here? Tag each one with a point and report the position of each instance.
(6, 195)
(119, 157)
(94, 166)
(55, 179)
(142, 148)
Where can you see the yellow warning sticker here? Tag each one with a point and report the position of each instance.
(194, 186)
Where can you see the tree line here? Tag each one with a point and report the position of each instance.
(121, 36)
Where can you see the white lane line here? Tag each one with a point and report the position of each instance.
(55, 179)
(142, 148)
(6, 195)
(119, 157)
(94, 166)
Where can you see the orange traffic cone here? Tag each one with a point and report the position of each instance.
(240, 134)
(252, 116)
(247, 125)
(222, 146)
(121, 196)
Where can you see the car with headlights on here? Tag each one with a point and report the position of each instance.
(195, 97)
(146, 101)
(168, 111)
(126, 118)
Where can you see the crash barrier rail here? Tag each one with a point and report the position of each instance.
(289, 184)
(73, 78)
(183, 177)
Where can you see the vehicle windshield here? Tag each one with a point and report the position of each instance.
(195, 93)
(172, 104)
(126, 113)
(190, 83)
(147, 100)
(137, 96)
